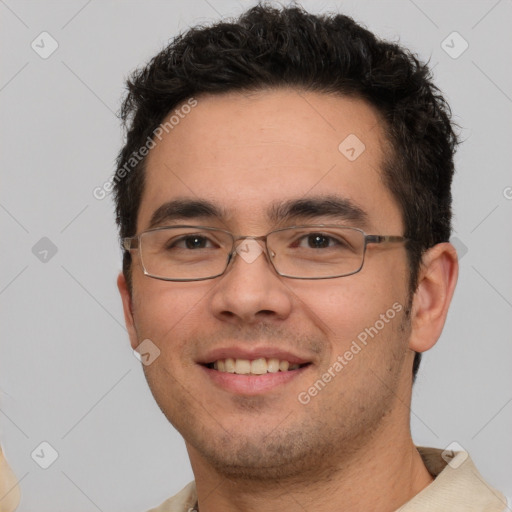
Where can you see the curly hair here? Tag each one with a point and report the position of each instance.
(268, 47)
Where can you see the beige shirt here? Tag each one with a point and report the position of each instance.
(458, 487)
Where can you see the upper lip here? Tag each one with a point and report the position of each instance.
(251, 354)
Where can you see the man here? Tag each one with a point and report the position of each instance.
(284, 203)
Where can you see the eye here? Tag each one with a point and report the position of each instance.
(190, 242)
(318, 241)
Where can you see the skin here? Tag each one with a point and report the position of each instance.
(9, 489)
(350, 446)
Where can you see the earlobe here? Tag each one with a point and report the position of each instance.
(436, 284)
(126, 298)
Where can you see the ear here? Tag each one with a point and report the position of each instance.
(127, 309)
(436, 283)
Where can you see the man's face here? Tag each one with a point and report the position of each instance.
(247, 154)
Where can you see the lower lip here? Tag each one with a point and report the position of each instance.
(251, 385)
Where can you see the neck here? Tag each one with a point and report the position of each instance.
(377, 476)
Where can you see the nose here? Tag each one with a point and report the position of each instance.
(251, 290)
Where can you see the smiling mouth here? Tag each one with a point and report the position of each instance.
(258, 366)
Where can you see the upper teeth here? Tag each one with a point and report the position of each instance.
(255, 367)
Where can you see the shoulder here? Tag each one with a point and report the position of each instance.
(184, 501)
(457, 485)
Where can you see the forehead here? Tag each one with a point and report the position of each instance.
(248, 152)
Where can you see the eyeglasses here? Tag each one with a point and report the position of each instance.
(195, 253)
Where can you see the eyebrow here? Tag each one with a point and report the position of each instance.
(181, 209)
(332, 206)
(336, 207)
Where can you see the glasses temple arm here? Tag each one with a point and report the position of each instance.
(379, 239)
(130, 243)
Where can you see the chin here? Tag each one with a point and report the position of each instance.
(282, 453)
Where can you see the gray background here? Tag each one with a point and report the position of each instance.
(67, 373)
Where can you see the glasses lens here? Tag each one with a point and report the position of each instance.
(185, 252)
(317, 252)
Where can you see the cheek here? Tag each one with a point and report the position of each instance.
(166, 313)
(367, 340)
(350, 308)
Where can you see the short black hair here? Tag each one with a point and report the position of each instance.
(269, 47)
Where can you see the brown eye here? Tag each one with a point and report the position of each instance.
(318, 241)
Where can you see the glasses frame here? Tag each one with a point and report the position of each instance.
(133, 243)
